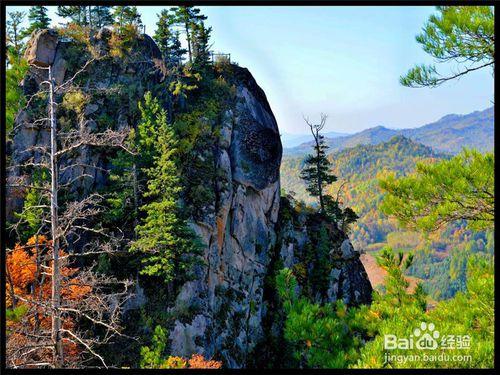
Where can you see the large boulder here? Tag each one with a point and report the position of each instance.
(41, 48)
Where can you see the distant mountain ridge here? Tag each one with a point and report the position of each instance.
(361, 163)
(293, 140)
(448, 134)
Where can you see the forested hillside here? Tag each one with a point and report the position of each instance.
(151, 223)
(449, 134)
(440, 257)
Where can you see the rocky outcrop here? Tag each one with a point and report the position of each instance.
(328, 259)
(118, 85)
(238, 239)
(41, 48)
(228, 300)
(242, 237)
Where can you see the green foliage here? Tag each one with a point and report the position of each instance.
(30, 218)
(470, 313)
(16, 314)
(154, 356)
(461, 188)
(90, 16)
(123, 40)
(462, 34)
(395, 283)
(361, 167)
(75, 101)
(164, 237)
(168, 39)
(320, 336)
(102, 16)
(14, 97)
(332, 336)
(15, 33)
(126, 182)
(316, 171)
(38, 18)
(76, 13)
(189, 19)
(197, 129)
(201, 48)
(127, 16)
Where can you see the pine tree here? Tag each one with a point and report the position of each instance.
(127, 15)
(38, 18)
(14, 97)
(200, 44)
(316, 172)
(188, 18)
(462, 188)
(94, 17)
(164, 237)
(168, 39)
(15, 32)
(464, 35)
(102, 16)
(76, 13)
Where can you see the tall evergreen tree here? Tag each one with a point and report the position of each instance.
(200, 44)
(15, 32)
(168, 39)
(76, 13)
(164, 236)
(102, 16)
(316, 172)
(91, 16)
(38, 18)
(188, 18)
(127, 15)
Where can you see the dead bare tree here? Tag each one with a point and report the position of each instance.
(50, 332)
(316, 172)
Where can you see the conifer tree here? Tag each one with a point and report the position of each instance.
(164, 237)
(15, 32)
(316, 172)
(462, 188)
(91, 16)
(200, 44)
(127, 15)
(168, 39)
(38, 18)
(188, 18)
(76, 13)
(102, 16)
(464, 35)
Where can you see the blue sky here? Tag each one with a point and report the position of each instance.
(343, 61)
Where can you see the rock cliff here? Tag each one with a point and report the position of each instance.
(247, 232)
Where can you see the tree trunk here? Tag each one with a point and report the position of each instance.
(56, 281)
(318, 165)
(188, 41)
(90, 17)
(136, 196)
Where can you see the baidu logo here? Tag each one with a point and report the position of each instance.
(424, 337)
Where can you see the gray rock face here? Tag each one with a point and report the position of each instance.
(347, 279)
(224, 308)
(41, 48)
(238, 240)
(45, 48)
